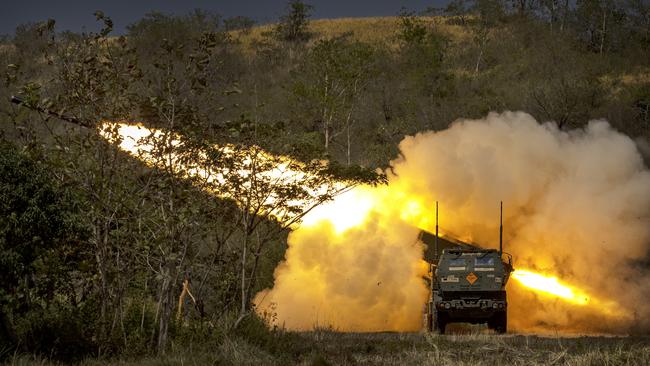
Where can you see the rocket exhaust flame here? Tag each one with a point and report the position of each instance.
(551, 286)
(138, 141)
(578, 201)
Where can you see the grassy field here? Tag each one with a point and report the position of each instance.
(332, 348)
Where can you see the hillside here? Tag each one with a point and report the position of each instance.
(370, 30)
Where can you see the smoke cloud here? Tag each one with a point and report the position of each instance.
(576, 205)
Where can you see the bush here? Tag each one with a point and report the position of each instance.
(58, 332)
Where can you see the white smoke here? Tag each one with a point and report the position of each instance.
(576, 204)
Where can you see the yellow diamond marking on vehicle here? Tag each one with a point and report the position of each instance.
(471, 278)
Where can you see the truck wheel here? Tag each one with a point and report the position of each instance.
(490, 322)
(500, 322)
(440, 322)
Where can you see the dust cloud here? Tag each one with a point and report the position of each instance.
(576, 206)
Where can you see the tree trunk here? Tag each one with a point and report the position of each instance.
(253, 276)
(101, 240)
(243, 275)
(327, 135)
(522, 7)
(243, 305)
(144, 303)
(325, 117)
(166, 307)
(348, 141)
(565, 15)
(603, 31)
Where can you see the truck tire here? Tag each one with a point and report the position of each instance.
(500, 322)
(439, 322)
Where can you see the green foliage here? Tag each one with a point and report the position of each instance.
(34, 38)
(568, 99)
(641, 103)
(489, 12)
(38, 223)
(276, 341)
(332, 79)
(600, 24)
(239, 23)
(60, 331)
(412, 30)
(41, 255)
(294, 26)
(147, 33)
(458, 10)
(422, 54)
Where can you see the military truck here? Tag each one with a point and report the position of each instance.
(468, 285)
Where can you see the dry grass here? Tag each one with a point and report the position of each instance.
(482, 349)
(369, 30)
(325, 347)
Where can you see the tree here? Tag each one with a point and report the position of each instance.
(459, 10)
(567, 98)
(599, 24)
(294, 26)
(556, 11)
(488, 14)
(41, 252)
(641, 104)
(147, 33)
(176, 83)
(639, 16)
(332, 77)
(423, 51)
(523, 7)
(34, 38)
(92, 79)
(412, 29)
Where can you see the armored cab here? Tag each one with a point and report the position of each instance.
(468, 284)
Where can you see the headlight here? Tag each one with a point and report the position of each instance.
(447, 305)
(494, 305)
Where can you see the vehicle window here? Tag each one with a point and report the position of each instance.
(485, 261)
(458, 262)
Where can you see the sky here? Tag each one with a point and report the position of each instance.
(77, 15)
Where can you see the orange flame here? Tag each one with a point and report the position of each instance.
(550, 286)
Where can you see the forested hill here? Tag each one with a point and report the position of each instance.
(104, 250)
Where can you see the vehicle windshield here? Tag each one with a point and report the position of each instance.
(457, 262)
(485, 261)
